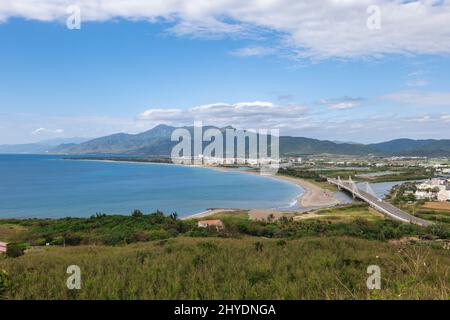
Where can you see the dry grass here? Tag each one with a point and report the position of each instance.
(343, 213)
(437, 205)
(247, 268)
(10, 232)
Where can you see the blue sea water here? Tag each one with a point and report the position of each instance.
(48, 186)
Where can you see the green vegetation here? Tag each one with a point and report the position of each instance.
(5, 283)
(440, 216)
(303, 174)
(247, 268)
(401, 194)
(319, 174)
(153, 256)
(411, 173)
(354, 220)
(98, 229)
(15, 250)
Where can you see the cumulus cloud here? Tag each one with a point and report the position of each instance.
(243, 114)
(253, 52)
(414, 98)
(341, 103)
(310, 28)
(47, 131)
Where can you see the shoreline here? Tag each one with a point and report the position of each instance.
(313, 196)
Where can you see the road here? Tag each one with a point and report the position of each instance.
(380, 205)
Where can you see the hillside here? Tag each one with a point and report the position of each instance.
(196, 268)
(153, 256)
(409, 147)
(156, 142)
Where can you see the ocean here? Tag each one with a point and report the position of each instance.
(46, 186)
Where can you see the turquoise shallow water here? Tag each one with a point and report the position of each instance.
(47, 186)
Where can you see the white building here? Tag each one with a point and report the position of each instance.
(217, 224)
(3, 247)
(434, 183)
(423, 195)
(443, 195)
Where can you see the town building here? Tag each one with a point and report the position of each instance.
(432, 189)
(423, 195)
(443, 195)
(3, 247)
(210, 224)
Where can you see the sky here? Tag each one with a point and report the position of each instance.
(348, 70)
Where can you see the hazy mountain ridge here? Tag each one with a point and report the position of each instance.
(43, 146)
(157, 142)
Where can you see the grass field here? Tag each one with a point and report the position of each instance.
(347, 213)
(152, 256)
(437, 205)
(9, 232)
(247, 268)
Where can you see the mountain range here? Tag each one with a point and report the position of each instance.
(157, 142)
(44, 146)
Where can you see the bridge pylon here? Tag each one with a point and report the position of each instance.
(353, 185)
(354, 189)
(369, 189)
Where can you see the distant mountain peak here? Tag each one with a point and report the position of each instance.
(162, 126)
(157, 142)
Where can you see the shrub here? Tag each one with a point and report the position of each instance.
(137, 213)
(57, 241)
(5, 283)
(158, 234)
(14, 250)
(73, 239)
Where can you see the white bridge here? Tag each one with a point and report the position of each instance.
(384, 207)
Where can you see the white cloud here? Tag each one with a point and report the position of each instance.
(417, 83)
(426, 98)
(430, 118)
(310, 28)
(261, 114)
(47, 131)
(253, 52)
(341, 103)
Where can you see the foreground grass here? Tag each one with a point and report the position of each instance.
(246, 268)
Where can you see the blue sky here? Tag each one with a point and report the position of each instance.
(123, 72)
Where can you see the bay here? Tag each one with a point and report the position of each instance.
(47, 186)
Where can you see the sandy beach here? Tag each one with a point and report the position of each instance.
(206, 213)
(314, 197)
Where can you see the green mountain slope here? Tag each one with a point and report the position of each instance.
(157, 142)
